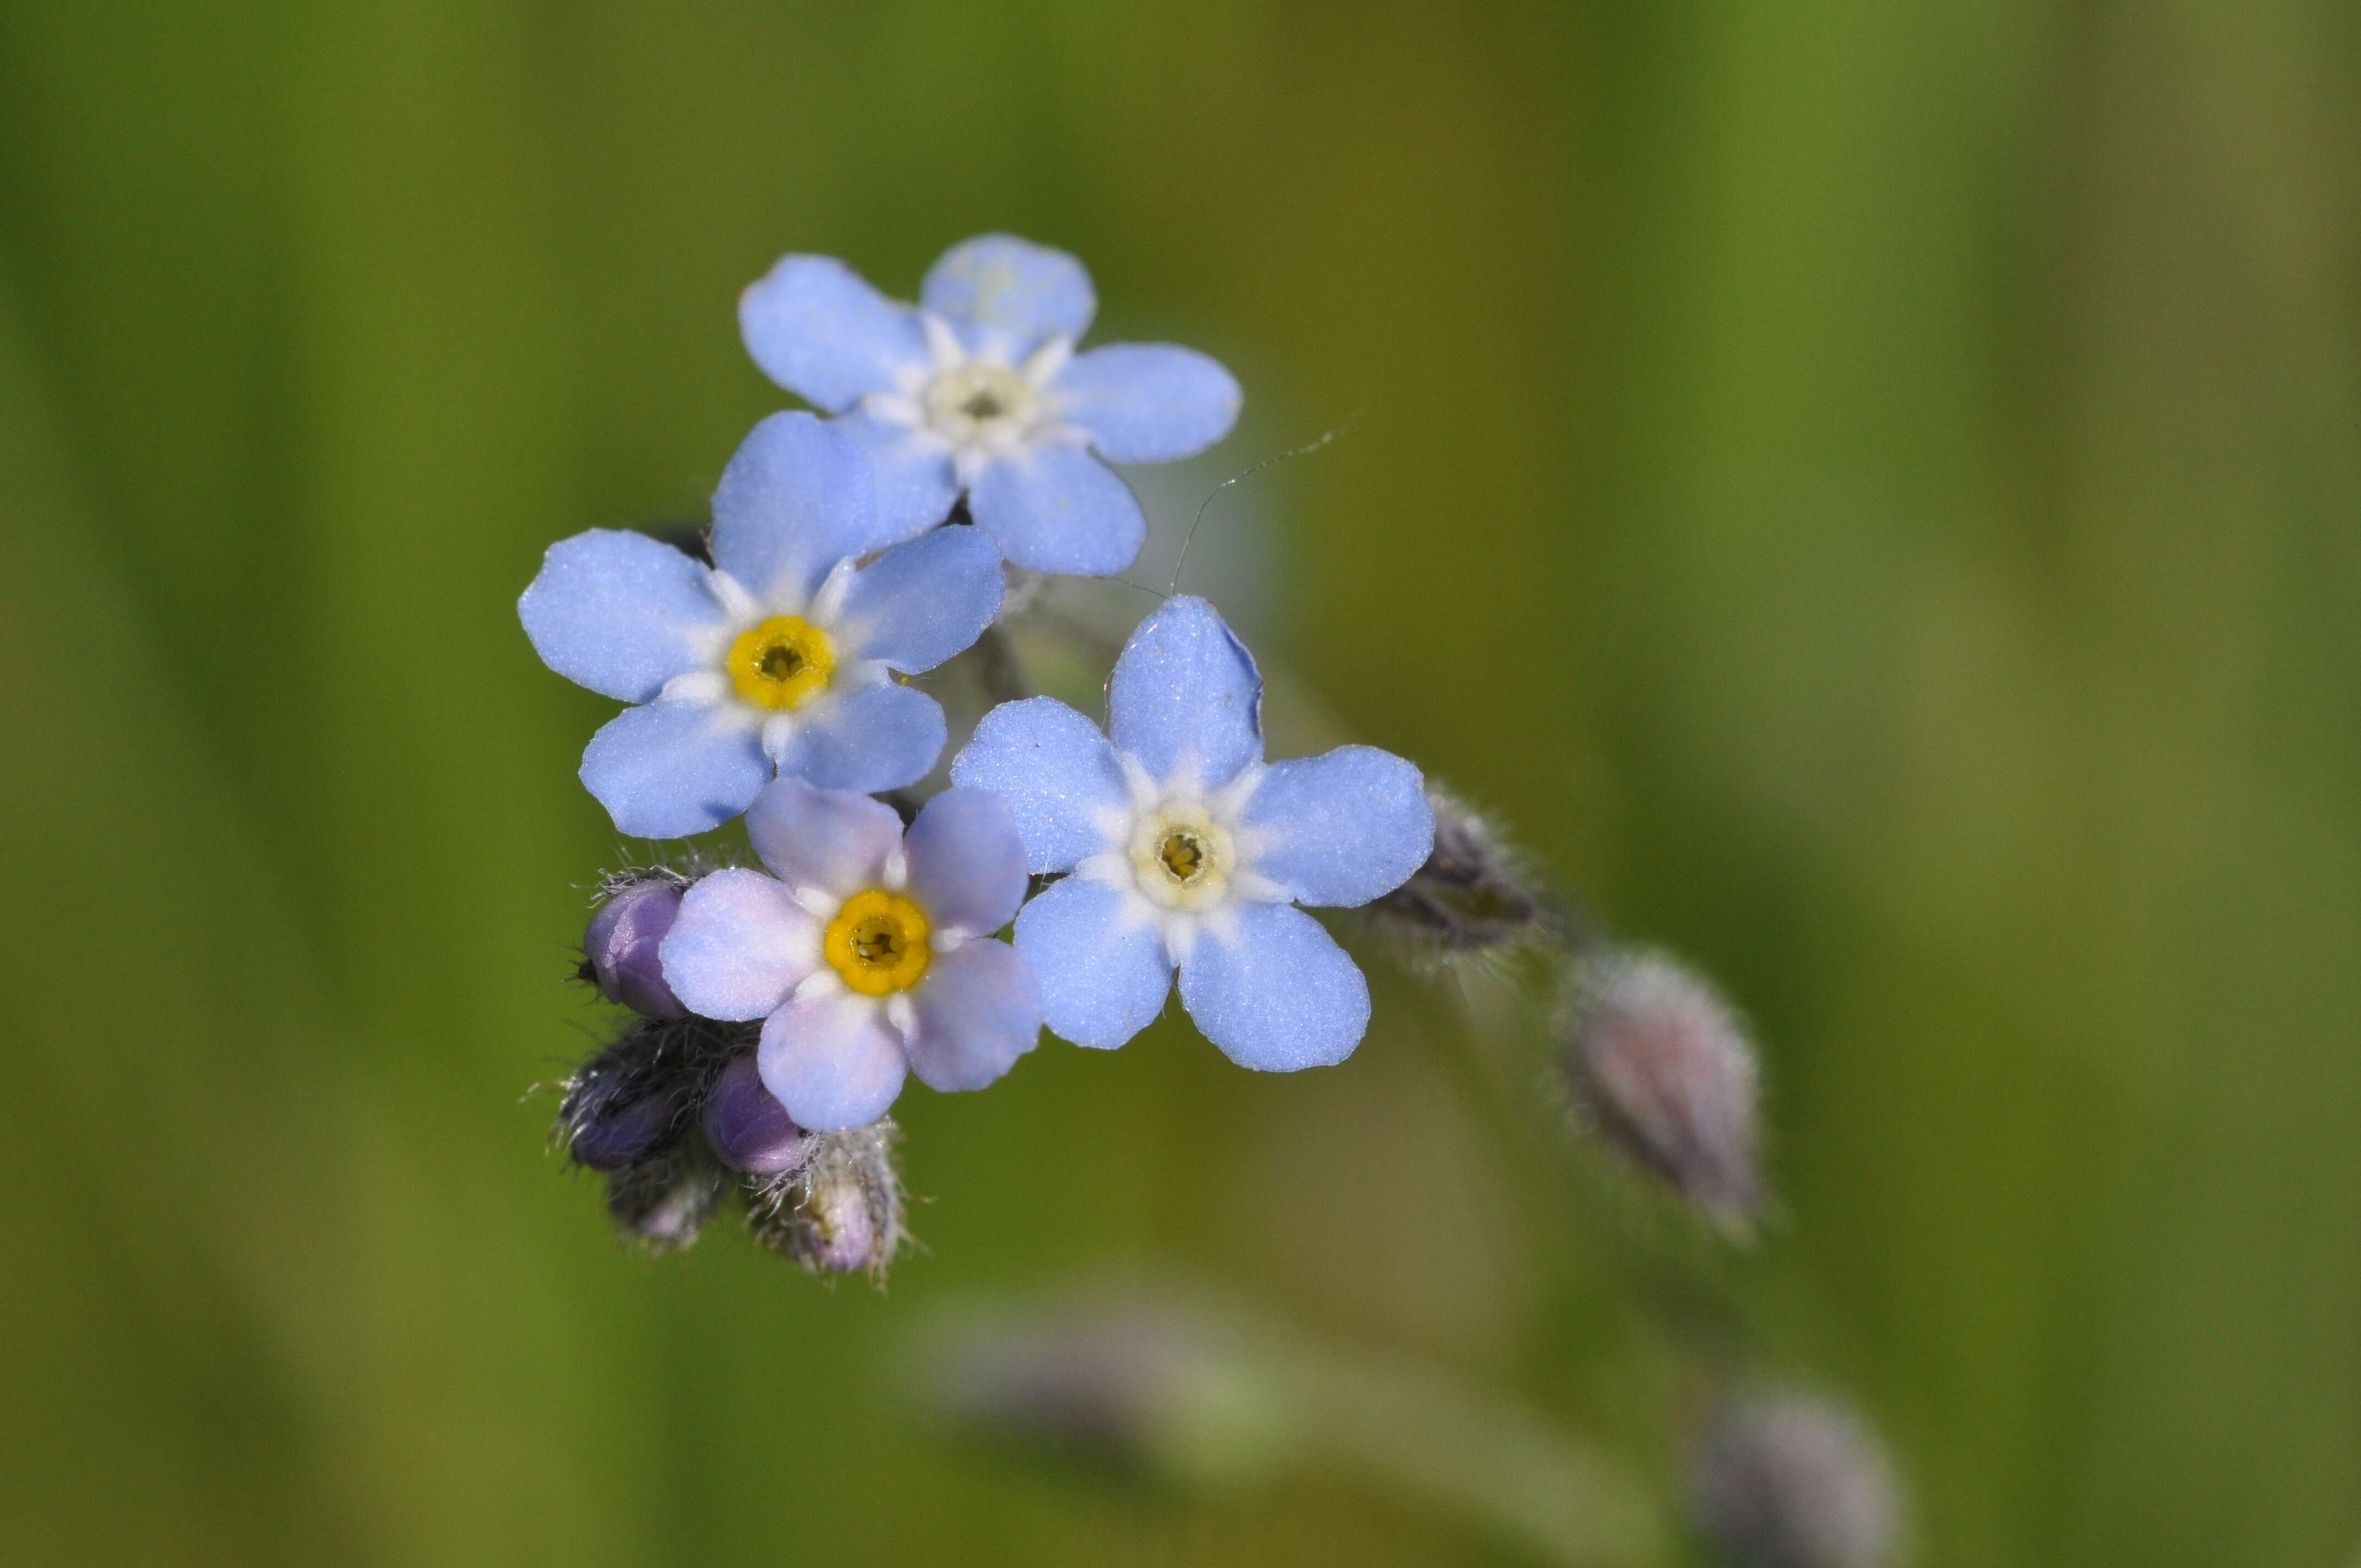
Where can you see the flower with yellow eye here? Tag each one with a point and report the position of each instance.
(978, 391)
(868, 952)
(779, 658)
(1186, 851)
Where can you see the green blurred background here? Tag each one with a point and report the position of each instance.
(1868, 490)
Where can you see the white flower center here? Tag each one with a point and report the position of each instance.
(1180, 857)
(979, 408)
(981, 404)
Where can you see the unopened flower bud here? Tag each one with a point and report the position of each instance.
(1786, 1480)
(606, 1128)
(1669, 1077)
(634, 1099)
(747, 1126)
(666, 1200)
(622, 1105)
(1471, 898)
(620, 944)
(842, 1209)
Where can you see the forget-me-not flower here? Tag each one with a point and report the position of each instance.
(1189, 851)
(978, 389)
(779, 658)
(868, 953)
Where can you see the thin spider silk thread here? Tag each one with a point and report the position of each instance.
(1325, 438)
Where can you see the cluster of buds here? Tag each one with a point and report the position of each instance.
(674, 1116)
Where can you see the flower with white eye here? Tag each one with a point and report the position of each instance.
(978, 391)
(868, 953)
(1186, 851)
(777, 659)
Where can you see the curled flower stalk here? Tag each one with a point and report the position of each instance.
(1073, 875)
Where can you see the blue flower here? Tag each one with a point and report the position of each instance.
(869, 954)
(1189, 851)
(978, 388)
(777, 658)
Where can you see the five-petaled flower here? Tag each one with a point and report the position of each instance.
(779, 658)
(1187, 850)
(978, 389)
(869, 954)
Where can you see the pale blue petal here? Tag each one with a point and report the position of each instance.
(919, 603)
(1101, 984)
(1186, 694)
(967, 864)
(1279, 994)
(739, 946)
(1056, 771)
(977, 1011)
(915, 485)
(795, 499)
(998, 288)
(671, 769)
(829, 839)
(1341, 829)
(1060, 509)
(831, 1060)
(617, 612)
(880, 736)
(822, 333)
(1147, 402)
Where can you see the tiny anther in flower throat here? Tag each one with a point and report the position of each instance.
(981, 401)
(1181, 858)
(1184, 855)
(782, 663)
(877, 943)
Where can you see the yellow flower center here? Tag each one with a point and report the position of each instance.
(783, 662)
(878, 942)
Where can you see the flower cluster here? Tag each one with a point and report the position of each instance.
(781, 1009)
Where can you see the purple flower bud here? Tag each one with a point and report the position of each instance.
(1786, 1480)
(606, 1127)
(1669, 1077)
(842, 1209)
(621, 942)
(747, 1126)
(664, 1201)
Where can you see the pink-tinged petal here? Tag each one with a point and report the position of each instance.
(831, 1060)
(739, 946)
(829, 839)
(967, 864)
(976, 1011)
